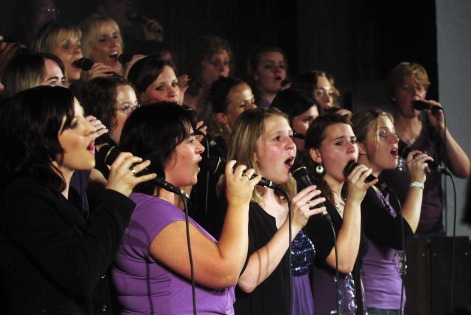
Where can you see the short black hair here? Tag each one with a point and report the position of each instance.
(152, 132)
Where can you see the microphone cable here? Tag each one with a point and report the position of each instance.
(190, 254)
(290, 236)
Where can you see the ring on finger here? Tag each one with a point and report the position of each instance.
(133, 171)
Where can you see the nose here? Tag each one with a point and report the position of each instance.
(251, 105)
(394, 138)
(199, 147)
(89, 130)
(172, 91)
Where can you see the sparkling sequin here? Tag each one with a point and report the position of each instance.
(302, 255)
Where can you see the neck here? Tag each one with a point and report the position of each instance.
(363, 159)
(167, 196)
(335, 187)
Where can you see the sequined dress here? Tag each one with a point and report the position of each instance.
(302, 260)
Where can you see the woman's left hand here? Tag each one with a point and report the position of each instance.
(100, 129)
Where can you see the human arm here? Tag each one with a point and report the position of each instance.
(216, 265)
(263, 261)
(456, 159)
(416, 167)
(349, 234)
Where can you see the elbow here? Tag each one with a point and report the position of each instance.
(346, 267)
(246, 286)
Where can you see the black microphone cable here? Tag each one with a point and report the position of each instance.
(301, 175)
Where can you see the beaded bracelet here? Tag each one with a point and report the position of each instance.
(417, 184)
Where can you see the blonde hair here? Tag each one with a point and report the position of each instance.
(45, 40)
(243, 144)
(366, 120)
(91, 28)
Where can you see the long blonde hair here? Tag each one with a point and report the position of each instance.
(243, 144)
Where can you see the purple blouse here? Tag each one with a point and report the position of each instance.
(144, 285)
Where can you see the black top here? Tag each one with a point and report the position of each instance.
(271, 296)
(319, 230)
(52, 258)
(380, 226)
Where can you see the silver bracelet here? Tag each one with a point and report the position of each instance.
(417, 184)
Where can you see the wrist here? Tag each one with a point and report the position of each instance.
(417, 185)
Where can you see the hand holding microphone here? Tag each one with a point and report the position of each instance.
(416, 156)
(359, 180)
(150, 24)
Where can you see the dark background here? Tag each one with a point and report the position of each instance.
(357, 41)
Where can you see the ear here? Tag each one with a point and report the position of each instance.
(221, 118)
(315, 155)
(361, 148)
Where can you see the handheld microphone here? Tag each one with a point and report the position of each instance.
(421, 105)
(352, 164)
(109, 153)
(298, 135)
(217, 164)
(83, 63)
(301, 175)
(349, 168)
(431, 164)
(133, 15)
(125, 58)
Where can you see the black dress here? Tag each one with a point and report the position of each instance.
(271, 296)
(319, 231)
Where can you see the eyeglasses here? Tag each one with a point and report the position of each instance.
(409, 88)
(128, 109)
(51, 11)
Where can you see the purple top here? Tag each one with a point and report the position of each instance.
(398, 180)
(381, 271)
(144, 285)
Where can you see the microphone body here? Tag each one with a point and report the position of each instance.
(422, 105)
(217, 165)
(380, 184)
(109, 153)
(135, 16)
(83, 63)
(301, 175)
(431, 164)
(125, 58)
(349, 168)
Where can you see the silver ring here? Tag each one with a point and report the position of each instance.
(133, 171)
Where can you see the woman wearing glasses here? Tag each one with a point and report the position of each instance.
(406, 83)
(111, 99)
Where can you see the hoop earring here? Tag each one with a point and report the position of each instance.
(319, 169)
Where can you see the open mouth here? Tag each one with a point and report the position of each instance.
(289, 162)
(91, 147)
(278, 78)
(394, 152)
(114, 56)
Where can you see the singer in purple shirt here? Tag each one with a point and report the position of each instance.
(153, 270)
(387, 231)
(408, 82)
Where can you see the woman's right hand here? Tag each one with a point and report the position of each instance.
(98, 70)
(417, 167)
(239, 183)
(357, 185)
(122, 176)
(306, 204)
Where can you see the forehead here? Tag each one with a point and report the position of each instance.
(276, 123)
(166, 72)
(238, 89)
(107, 27)
(338, 130)
(271, 55)
(51, 65)
(385, 122)
(64, 34)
